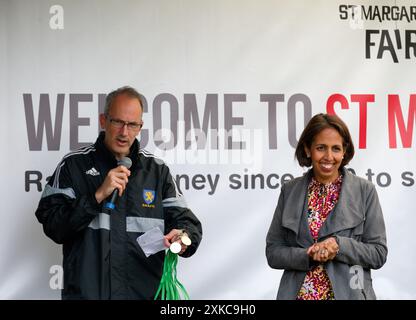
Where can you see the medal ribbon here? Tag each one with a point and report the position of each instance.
(170, 288)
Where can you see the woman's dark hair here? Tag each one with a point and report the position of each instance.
(318, 123)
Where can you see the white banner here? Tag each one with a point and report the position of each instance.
(245, 75)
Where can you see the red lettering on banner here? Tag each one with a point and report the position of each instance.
(395, 116)
(363, 100)
(333, 98)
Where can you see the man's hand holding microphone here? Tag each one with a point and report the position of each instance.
(114, 183)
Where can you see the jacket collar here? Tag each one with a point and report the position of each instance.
(346, 214)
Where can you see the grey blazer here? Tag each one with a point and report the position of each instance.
(357, 223)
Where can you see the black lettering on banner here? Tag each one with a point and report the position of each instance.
(368, 42)
(29, 179)
(259, 177)
(409, 35)
(408, 181)
(230, 121)
(257, 181)
(343, 12)
(191, 117)
(35, 135)
(53, 129)
(210, 182)
(76, 121)
(159, 138)
(383, 176)
(198, 182)
(269, 184)
(369, 175)
(179, 179)
(383, 40)
(377, 13)
(165, 136)
(272, 100)
(384, 43)
(235, 182)
(34, 177)
(291, 114)
(383, 179)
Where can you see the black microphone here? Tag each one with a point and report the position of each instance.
(111, 204)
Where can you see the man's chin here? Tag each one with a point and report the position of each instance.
(121, 152)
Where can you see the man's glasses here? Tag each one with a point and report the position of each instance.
(117, 123)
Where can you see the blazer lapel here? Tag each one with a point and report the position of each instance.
(294, 215)
(346, 214)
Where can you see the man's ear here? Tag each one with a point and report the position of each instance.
(140, 128)
(102, 120)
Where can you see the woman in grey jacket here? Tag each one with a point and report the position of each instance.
(328, 229)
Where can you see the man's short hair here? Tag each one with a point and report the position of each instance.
(127, 90)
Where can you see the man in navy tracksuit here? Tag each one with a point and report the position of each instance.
(102, 259)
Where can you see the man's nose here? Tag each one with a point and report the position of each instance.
(124, 130)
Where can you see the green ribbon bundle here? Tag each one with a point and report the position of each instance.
(170, 288)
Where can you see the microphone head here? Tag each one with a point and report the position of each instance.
(125, 161)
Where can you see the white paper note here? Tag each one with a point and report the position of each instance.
(151, 241)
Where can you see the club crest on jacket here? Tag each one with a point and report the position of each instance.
(148, 197)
